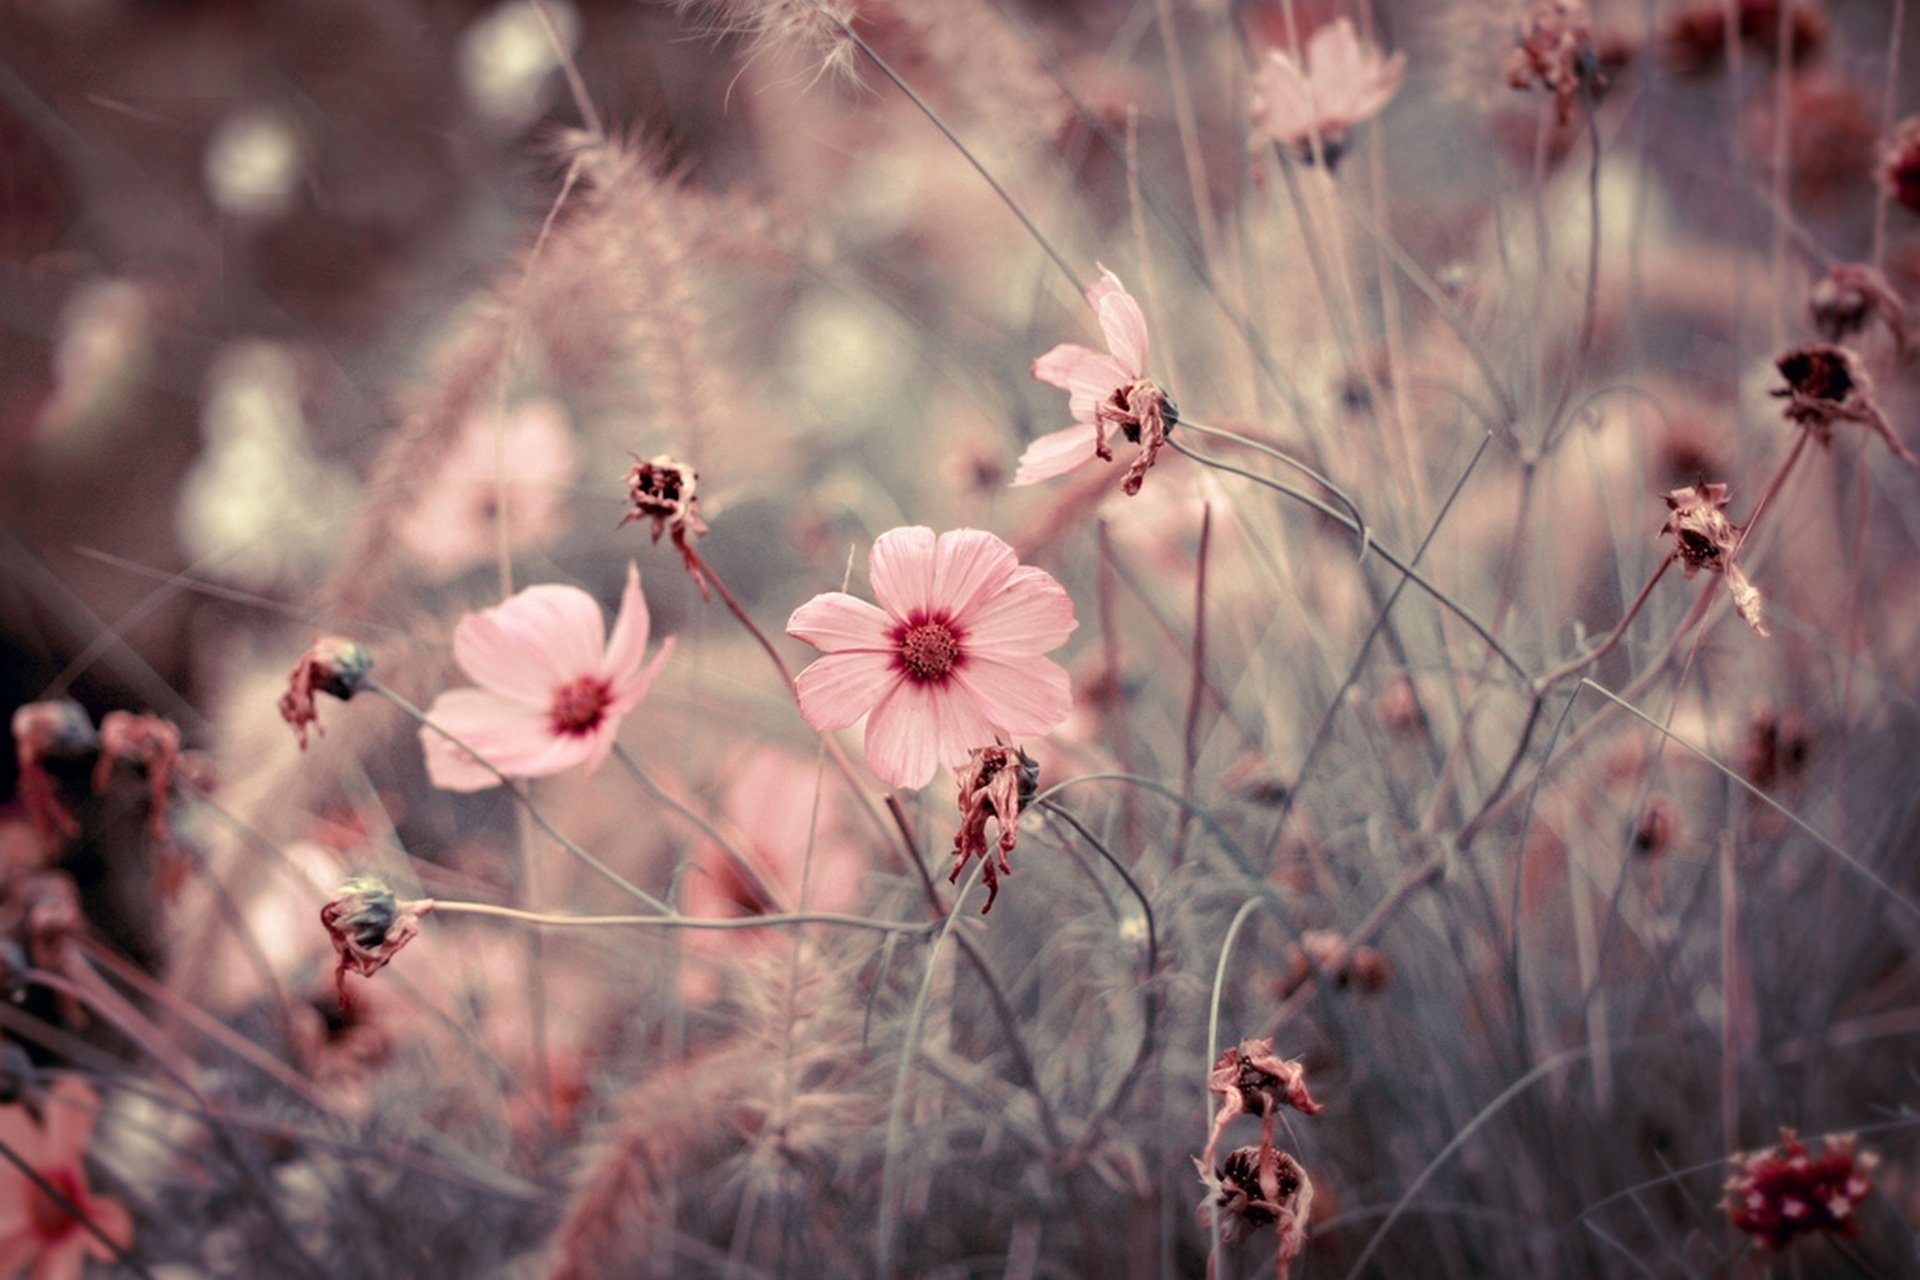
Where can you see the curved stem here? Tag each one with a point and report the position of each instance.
(755, 880)
(441, 906)
(1359, 521)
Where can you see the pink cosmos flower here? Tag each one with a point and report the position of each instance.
(39, 1238)
(553, 687)
(1107, 392)
(456, 523)
(949, 660)
(1345, 81)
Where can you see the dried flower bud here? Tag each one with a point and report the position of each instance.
(1555, 52)
(667, 493)
(1900, 164)
(368, 925)
(1255, 1081)
(1255, 1188)
(1144, 414)
(332, 666)
(1703, 538)
(43, 732)
(1325, 952)
(151, 744)
(1851, 295)
(1825, 384)
(998, 782)
(1785, 1191)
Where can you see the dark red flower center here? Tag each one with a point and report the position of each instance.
(51, 1221)
(929, 650)
(578, 708)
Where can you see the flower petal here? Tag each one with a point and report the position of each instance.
(1124, 325)
(517, 739)
(537, 641)
(969, 565)
(1091, 382)
(112, 1220)
(627, 647)
(1022, 697)
(834, 621)
(628, 693)
(1057, 366)
(901, 568)
(1055, 454)
(69, 1118)
(1031, 615)
(1283, 108)
(919, 726)
(841, 687)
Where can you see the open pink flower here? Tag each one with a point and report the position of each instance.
(39, 1237)
(949, 660)
(1344, 82)
(1108, 392)
(553, 686)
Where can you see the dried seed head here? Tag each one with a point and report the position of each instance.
(1256, 1188)
(1850, 296)
(332, 666)
(1555, 52)
(1703, 538)
(1786, 1191)
(1825, 385)
(667, 493)
(1144, 414)
(998, 782)
(368, 926)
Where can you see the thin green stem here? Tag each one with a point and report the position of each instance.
(441, 906)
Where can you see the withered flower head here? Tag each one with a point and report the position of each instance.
(333, 666)
(1703, 538)
(149, 743)
(665, 492)
(1900, 163)
(368, 926)
(1255, 1081)
(1825, 385)
(54, 731)
(1555, 52)
(1325, 952)
(998, 782)
(1143, 413)
(1851, 295)
(1255, 1188)
(1786, 1191)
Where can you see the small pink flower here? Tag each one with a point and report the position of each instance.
(1107, 392)
(1345, 81)
(949, 660)
(39, 1237)
(456, 523)
(553, 690)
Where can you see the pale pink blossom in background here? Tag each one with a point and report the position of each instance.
(1345, 81)
(39, 1239)
(1107, 391)
(455, 525)
(553, 686)
(949, 660)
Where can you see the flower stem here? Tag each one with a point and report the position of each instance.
(372, 685)
(754, 879)
(440, 906)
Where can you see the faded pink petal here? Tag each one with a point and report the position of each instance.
(1031, 615)
(837, 621)
(901, 568)
(630, 692)
(1056, 453)
(627, 647)
(969, 565)
(1026, 697)
(1122, 323)
(918, 727)
(1345, 80)
(113, 1221)
(841, 687)
(532, 643)
(508, 735)
(1058, 366)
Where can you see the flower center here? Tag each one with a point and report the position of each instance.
(578, 708)
(51, 1222)
(929, 650)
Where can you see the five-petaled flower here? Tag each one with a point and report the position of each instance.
(1345, 81)
(40, 1236)
(553, 686)
(949, 661)
(1787, 1191)
(1107, 391)
(1703, 538)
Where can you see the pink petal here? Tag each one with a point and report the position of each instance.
(918, 727)
(1056, 454)
(1031, 615)
(627, 647)
(113, 1221)
(1334, 59)
(835, 621)
(969, 565)
(1057, 366)
(841, 687)
(901, 567)
(1283, 108)
(66, 1260)
(25, 1138)
(627, 693)
(1023, 697)
(69, 1118)
(21, 1246)
(529, 646)
(1124, 325)
(515, 738)
(1093, 382)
